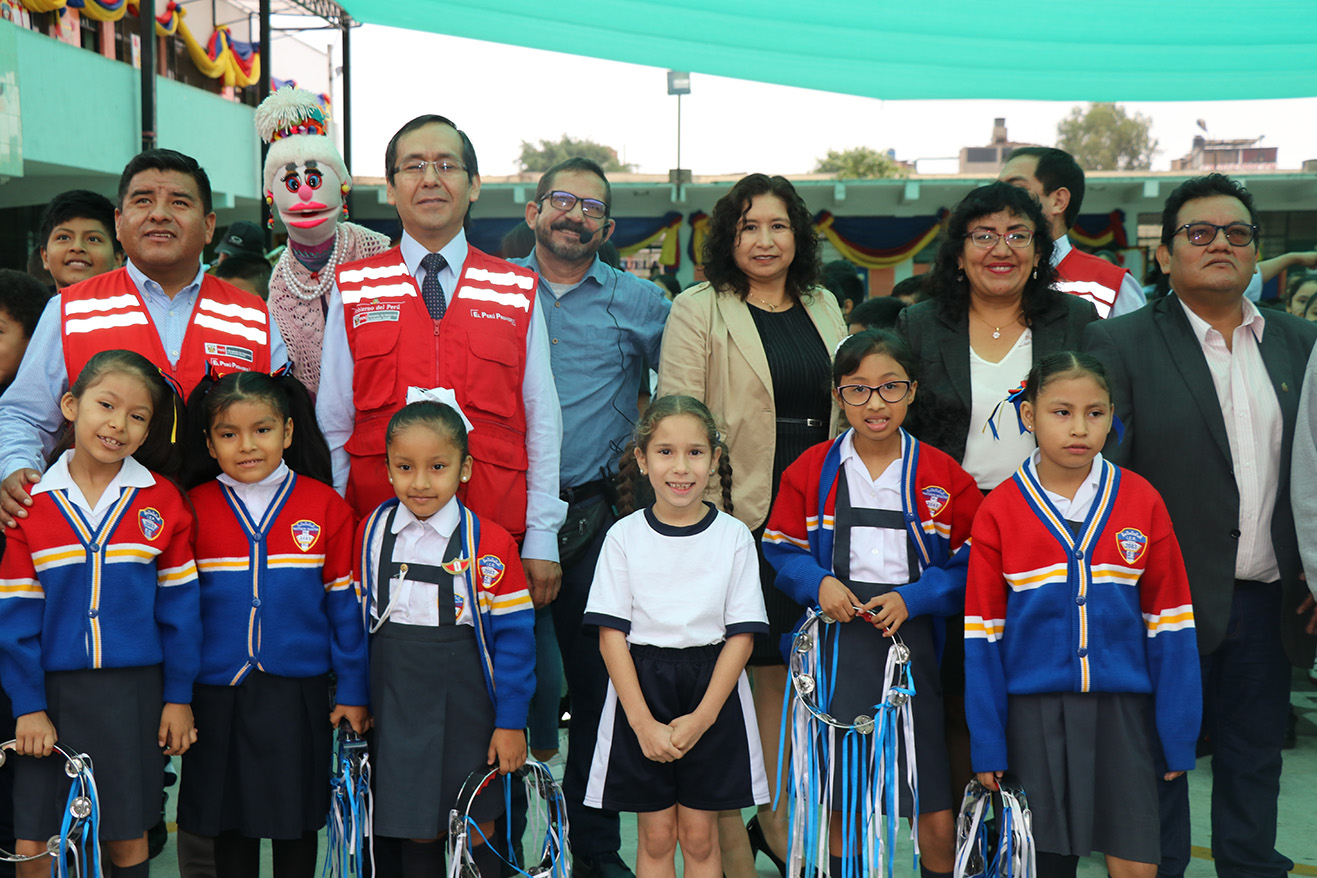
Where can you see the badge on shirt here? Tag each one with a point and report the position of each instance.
(491, 569)
(1132, 544)
(151, 522)
(457, 566)
(935, 499)
(229, 350)
(305, 534)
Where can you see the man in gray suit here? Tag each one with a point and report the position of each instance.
(1208, 389)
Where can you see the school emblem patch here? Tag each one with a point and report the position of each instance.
(458, 603)
(305, 534)
(491, 569)
(935, 498)
(151, 522)
(457, 566)
(1132, 544)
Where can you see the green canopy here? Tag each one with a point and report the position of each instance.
(1128, 50)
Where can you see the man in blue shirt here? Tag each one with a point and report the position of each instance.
(605, 329)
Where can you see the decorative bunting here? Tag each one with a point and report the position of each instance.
(1097, 232)
(864, 240)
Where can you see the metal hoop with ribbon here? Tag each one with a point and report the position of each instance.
(865, 758)
(1011, 853)
(78, 843)
(351, 810)
(547, 822)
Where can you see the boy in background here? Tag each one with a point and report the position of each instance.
(77, 234)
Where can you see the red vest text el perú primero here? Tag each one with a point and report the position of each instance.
(478, 349)
(229, 329)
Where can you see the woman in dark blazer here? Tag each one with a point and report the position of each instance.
(991, 314)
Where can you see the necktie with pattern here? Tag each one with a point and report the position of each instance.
(432, 292)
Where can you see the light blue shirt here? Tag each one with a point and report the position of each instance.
(336, 411)
(30, 419)
(601, 334)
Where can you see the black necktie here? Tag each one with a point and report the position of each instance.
(431, 290)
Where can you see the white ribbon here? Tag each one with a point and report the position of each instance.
(441, 395)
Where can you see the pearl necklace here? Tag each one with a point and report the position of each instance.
(303, 291)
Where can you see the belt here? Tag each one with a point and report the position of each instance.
(808, 422)
(581, 493)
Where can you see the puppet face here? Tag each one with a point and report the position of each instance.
(308, 196)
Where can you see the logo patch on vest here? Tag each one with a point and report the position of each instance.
(229, 350)
(151, 522)
(1132, 544)
(491, 569)
(305, 534)
(935, 498)
(376, 313)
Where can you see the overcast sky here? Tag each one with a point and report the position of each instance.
(502, 95)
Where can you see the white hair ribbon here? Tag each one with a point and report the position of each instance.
(443, 395)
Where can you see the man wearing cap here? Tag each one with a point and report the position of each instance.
(160, 304)
(243, 238)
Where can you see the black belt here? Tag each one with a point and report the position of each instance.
(581, 493)
(808, 422)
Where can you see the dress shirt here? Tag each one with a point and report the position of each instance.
(602, 332)
(419, 541)
(1131, 296)
(1253, 428)
(1303, 473)
(256, 496)
(878, 554)
(1076, 508)
(131, 475)
(336, 411)
(30, 419)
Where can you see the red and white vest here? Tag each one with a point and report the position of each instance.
(1090, 277)
(229, 329)
(478, 349)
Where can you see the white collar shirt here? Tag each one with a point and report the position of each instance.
(1076, 508)
(1253, 428)
(877, 554)
(420, 541)
(58, 478)
(454, 253)
(256, 496)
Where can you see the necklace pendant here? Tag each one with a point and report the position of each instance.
(996, 333)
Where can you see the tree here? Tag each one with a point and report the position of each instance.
(859, 163)
(538, 159)
(1105, 138)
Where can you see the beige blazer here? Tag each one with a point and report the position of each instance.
(711, 351)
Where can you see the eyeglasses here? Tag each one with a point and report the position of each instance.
(986, 240)
(859, 394)
(416, 169)
(564, 201)
(1203, 234)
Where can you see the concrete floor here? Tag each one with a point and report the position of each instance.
(1296, 831)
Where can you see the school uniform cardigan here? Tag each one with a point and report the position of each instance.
(1107, 611)
(504, 625)
(938, 499)
(279, 600)
(123, 595)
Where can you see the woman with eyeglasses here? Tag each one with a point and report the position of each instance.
(755, 345)
(991, 315)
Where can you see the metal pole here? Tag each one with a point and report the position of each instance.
(146, 35)
(678, 139)
(347, 103)
(263, 90)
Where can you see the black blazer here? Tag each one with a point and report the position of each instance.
(1175, 437)
(940, 414)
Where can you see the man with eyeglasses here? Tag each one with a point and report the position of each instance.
(605, 330)
(1056, 181)
(1208, 388)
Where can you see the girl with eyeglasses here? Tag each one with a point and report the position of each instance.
(892, 559)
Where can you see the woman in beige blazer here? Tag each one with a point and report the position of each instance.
(755, 344)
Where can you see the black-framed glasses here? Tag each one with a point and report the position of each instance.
(986, 239)
(443, 167)
(858, 394)
(1203, 234)
(565, 201)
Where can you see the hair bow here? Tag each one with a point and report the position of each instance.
(1015, 397)
(443, 396)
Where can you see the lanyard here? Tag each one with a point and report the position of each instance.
(77, 847)
(351, 810)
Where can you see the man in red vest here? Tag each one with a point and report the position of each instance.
(160, 304)
(435, 312)
(1057, 181)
